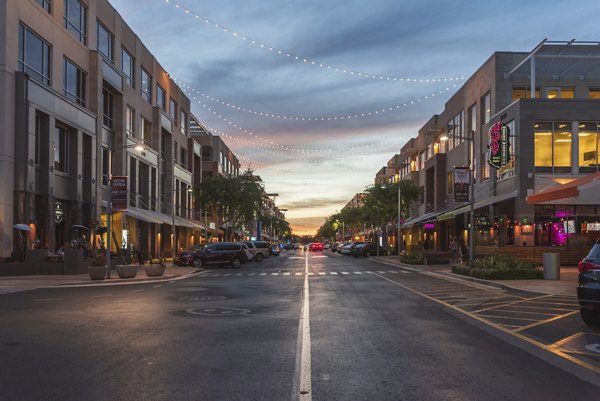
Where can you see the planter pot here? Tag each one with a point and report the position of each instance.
(154, 269)
(127, 271)
(97, 272)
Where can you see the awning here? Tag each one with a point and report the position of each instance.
(148, 216)
(482, 203)
(419, 219)
(569, 190)
(179, 221)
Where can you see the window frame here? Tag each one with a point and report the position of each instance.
(146, 90)
(81, 77)
(129, 75)
(79, 32)
(111, 41)
(61, 149)
(45, 75)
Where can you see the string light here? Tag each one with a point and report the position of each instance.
(324, 152)
(305, 60)
(190, 91)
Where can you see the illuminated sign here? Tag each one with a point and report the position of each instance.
(462, 177)
(118, 188)
(593, 226)
(59, 212)
(499, 144)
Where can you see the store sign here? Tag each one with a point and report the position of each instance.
(59, 212)
(593, 226)
(462, 177)
(499, 137)
(527, 229)
(118, 188)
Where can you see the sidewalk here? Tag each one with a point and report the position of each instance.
(36, 281)
(567, 285)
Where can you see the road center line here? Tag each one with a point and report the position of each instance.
(301, 390)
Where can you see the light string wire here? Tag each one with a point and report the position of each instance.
(191, 91)
(319, 152)
(305, 60)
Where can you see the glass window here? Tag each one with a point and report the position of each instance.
(485, 167)
(74, 82)
(104, 166)
(524, 93)
(106, 42)
(450, 183)
(183, 122)
(75, 19)
(34, 55)
(160, 97)
(107, 108)
(472, 118)
(146, 86)
(422, 160)
(38, 135)
(588, 144)
(128, 67)
(486, 108)
(562, 144)
(146, 131)
(183, 158)
(130, 121)
(61, 150)
(543, 144)
(173, 110)
(560, 93)
(46, 5)
(594, 93)
(175, 152)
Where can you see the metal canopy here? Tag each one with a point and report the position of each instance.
(559, 58)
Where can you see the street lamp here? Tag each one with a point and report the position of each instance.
(112, 149)
(469, 139)
(400, 168)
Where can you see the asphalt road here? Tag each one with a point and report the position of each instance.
(322, 327)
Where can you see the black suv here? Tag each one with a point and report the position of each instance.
(588, 288)
(220, 253)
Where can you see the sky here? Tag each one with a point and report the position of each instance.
(274, 78)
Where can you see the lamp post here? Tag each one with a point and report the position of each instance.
(470, 139)
(112, 149)
(401, 167)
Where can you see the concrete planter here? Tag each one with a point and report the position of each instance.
(127, 271)
(97, 272)
(154, 269)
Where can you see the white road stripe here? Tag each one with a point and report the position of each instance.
(311, 273)
(357, 272)
(345, 273)
(301, 388)
(252, 274)
(156, 286)
(274, 274)
(322, 273)
(286, 274)
(333, 273)
(298, 274)
(239, 274)
(262, 274)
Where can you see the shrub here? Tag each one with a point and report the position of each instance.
(98, 260)
(499, 267)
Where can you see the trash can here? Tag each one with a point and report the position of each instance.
(551, 266)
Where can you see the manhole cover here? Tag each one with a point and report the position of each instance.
(218, 311)
(203, 298)
(191, 289)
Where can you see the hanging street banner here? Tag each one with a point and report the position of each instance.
(462, 178)
(118, 189)
(499, 145)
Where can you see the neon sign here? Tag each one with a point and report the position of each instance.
(499, 145)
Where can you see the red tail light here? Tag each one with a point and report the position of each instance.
(585, 266)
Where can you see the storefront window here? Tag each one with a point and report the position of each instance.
(552, 143)
(524, 93)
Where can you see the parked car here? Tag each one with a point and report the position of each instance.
(220, 253)
(247, 252)
(334, 246)
(275, 250)
(186, 258)
(259, 249)
(588, 287)
(365, 249)
(327, 246)
(316, 246)
(345, 249)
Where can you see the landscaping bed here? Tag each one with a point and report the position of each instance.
(501, 267)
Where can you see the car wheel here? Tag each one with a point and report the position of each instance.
(590, 317)
(235, 262)
(258, 257)
(197, 263)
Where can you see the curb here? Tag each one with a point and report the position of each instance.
(126, 281)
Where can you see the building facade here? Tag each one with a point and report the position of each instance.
(83, 101)
(523, 124)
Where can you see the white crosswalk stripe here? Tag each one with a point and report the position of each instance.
(280, 273)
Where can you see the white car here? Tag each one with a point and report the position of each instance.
(345, 250)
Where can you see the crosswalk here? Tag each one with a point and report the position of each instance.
(302, 274)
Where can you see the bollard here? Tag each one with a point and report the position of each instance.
(551, 266)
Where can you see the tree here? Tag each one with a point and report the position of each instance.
(237, 200)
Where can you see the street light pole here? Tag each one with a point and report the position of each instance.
(471, 140)
(112, 149)
(400, 209)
